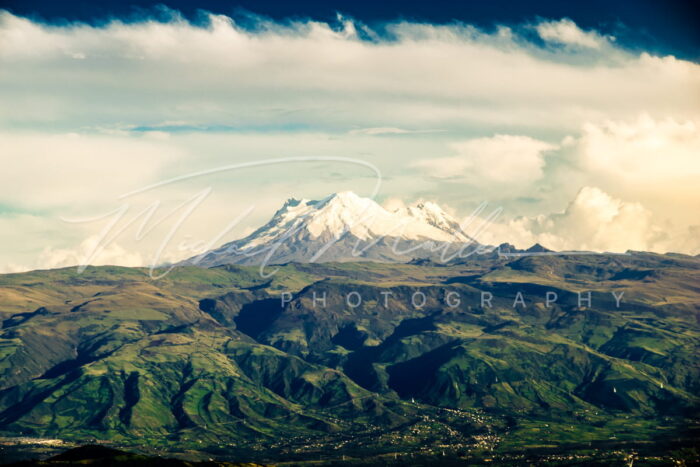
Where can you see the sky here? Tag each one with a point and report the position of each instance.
(157, 131)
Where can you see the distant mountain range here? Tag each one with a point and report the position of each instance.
(345, 227)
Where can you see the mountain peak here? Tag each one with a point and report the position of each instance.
(537, 248)
(303, 227)
(427, 206)
(347, 200)
(346, 196)
(292, 202)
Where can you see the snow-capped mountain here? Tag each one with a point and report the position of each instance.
(343, 227)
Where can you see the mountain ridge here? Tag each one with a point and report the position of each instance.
(343, 227)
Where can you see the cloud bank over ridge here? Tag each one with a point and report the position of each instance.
(525, 117)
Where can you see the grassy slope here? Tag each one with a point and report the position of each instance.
(204, 359)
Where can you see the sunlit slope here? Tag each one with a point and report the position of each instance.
(215, 357)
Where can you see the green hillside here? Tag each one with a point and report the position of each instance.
(224, 363)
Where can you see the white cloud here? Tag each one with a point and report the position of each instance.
(90, 252)
(91, 112)
(33, 241)
(11, 268)
(643, 150)
(656, 161)
(394, 204)
(498, 159)
(60, 170)
(379, 131)
(308, 73)
(566, 32)
(595, 221)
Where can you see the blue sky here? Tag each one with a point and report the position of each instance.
(663, 26)
(582, 125)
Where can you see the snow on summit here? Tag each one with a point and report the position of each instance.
(338, 226)
(346, 212)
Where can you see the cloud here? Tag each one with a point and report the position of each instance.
(566, 32)
(33, 242)
(71, 170)
(313, 74)
(596, 221)
(498, 159)
(394, 204)
(643, 150)
(378, 131)
(90, 252)
(11, 268)
(90, 112)
(654, 160)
